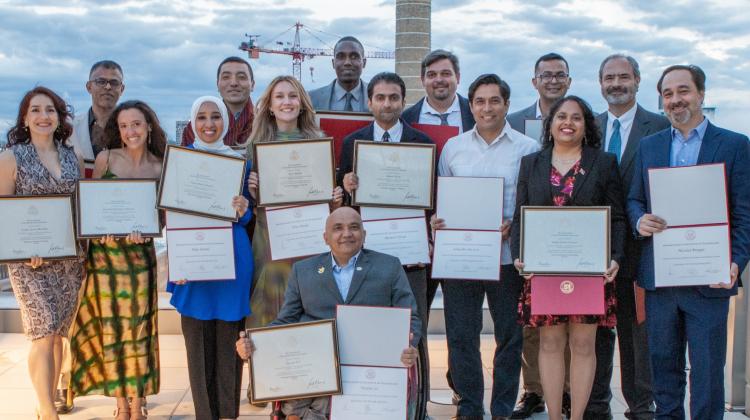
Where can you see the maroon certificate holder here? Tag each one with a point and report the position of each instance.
(567, 295)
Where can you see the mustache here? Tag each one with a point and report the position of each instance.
(617, 89)
(678, 104)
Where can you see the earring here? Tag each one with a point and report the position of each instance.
(271, 112)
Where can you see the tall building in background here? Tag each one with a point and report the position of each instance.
(413, 29)
(180, 127)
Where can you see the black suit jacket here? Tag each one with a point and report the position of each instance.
(411, 114)
(346, 160)
(598, 185)
(645, 123)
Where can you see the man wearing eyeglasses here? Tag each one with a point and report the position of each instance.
(105, 87)
(552, 81)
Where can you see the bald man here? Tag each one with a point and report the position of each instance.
(348, 275)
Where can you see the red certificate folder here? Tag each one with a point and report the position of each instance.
(567, 295)
(440, 134)
(339, 125)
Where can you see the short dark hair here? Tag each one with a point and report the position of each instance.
(551, 57)
(633, 63)
(438, 55)
(349, 38)
(107, 64)
(234, 59)
(699, 77)
(592, 136)
(386, 77)
(489, 79)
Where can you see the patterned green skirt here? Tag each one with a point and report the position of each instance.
(114, 344)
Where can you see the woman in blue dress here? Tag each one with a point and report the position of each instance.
(213, 312)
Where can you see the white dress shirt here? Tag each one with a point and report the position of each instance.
(626, 124)
(428, 115)
(395, 132)
(469, 155)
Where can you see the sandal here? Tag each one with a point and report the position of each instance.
(121, 413)
(139, 413)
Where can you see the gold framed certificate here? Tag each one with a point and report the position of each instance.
(117, 207)
(200, 183)
(565, 240)
(394, 174)
(37, 225)
(295, 172)
(294, 361)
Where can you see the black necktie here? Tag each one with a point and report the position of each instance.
(386, 137)
(444, 118)
(348, 104)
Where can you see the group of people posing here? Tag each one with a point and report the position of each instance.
(92, 321)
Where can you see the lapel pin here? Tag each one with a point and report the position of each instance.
(321, 270)
(359, 268)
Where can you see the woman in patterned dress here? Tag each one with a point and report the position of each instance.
(570, 170)
(114, 345)
(39, 161)
(284, 112)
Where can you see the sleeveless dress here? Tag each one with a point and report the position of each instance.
(47, 295)
(562, 191)
(114, 345)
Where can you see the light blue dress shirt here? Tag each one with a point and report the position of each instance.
(684, 152)
(343, 275)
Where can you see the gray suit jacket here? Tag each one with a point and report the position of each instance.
(518, 119)
(321, 97)
(379, 280)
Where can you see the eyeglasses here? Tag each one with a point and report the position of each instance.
(548, 77)
(102, 82)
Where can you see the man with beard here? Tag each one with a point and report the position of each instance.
(692, 317)
(623, 126)
(235, 81)
(347, 92)
(105, 87)
(442, 105)
(552, 81)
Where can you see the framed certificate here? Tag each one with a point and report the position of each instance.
(372, 335)
(37, 225)
(373, 393)
(297, 231)
(200, 183)
(294, 361)
(394, 174)
(117, 207)
(467, 254)
(565, 240)
(199, 248)
(294, 172)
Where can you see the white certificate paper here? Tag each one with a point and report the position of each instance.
(394, 174)
(199, 248)
(371, 393)
(405, 239)
(380, 213)
(470, 202)
(36, 226)
(466, 255)
(565, 240)
(294, 361)
(201, 183)
(117, 207)
(689, 195)
(297, 231)
(692, 256)
(372, 336)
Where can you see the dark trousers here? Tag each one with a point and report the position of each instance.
(635, 366)
(680, 317)
(463, 319)
(214, 368)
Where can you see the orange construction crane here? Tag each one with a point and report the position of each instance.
(296, 51)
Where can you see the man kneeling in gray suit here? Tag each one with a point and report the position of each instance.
(348, 275)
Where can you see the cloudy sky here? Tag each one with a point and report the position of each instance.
(170, 49)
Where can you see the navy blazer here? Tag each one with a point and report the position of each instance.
(346, 160)
(411, 114)
(645, 123)
(718, 146)
(599, 185)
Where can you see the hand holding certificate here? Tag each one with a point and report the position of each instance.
(37, 226)
(294, 361)
(200, 183)
(117, 207)
(394, 174)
